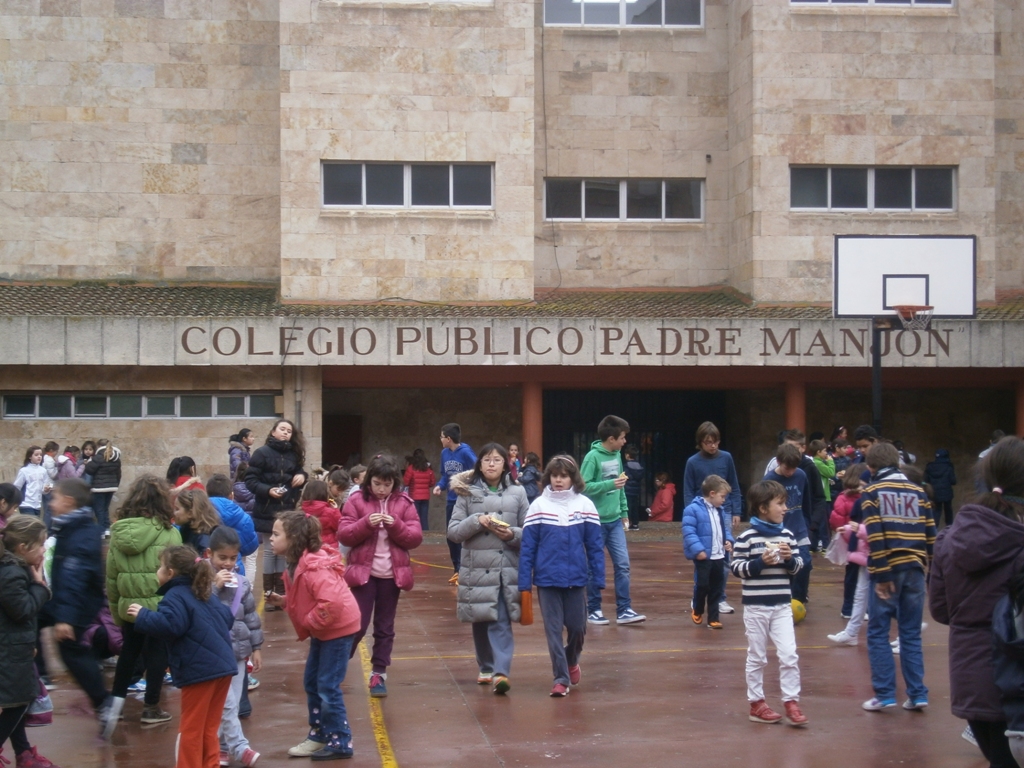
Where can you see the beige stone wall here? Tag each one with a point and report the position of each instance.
(139, 139)
(1009, 125)
(147, 445)
(640, 103)
(868, 86)
(415, 83)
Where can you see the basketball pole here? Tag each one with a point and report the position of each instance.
(877, 327)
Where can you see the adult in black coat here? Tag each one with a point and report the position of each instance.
(975, 559)
(942, 477)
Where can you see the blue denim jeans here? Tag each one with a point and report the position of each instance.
(615, 542)
(101, 508)
(325, 670)
(906, 606)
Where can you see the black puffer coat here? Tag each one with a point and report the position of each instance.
(941, 475)
(272, 465)
(106, 474)
(20, 600)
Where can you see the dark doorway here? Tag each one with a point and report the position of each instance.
(342, 439)
(662, 426)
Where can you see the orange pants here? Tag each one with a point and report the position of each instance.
(201, 708)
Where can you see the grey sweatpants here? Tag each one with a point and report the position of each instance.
(493, 641)
(563, 607)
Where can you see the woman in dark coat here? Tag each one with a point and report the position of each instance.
(275, 477)
(975, 558)
(23, 593)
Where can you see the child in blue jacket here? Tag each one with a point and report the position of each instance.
(197, 627)
(561, 542)
(707, 540)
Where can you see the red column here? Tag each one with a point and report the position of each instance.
(796, 405)
(1020, 408)
(533, 419)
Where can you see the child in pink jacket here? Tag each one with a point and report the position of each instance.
(858, 557)
(317, 502)
(380, 524)
(321, 607)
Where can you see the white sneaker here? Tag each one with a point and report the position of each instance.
(629, 616)
(306, 748)
(877, 705)
(911, 705)
(841, 638)
(968, 736)
(895, 645)
(724, 607)
(597, 617)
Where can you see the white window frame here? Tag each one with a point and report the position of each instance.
(871, 190)
(145, 403)
(622, 18)
(623, 202)
(406, 189)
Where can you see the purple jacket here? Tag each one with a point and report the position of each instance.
(974, 559)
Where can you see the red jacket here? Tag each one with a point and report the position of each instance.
(329, 517)
(355, 531)
(419, 482)
(318, 600)
(664, 500)
(841, 509)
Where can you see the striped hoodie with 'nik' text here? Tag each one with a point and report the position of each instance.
(764, 584)
(901, 529)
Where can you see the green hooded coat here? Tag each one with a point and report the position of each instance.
(132, 563)
(599, 469)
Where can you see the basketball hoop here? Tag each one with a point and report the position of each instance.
(915, 317)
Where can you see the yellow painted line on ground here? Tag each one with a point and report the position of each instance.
(380, 731)
(430, 565)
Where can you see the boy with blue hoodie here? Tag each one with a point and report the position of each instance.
(602, 473)
(456, 457)
(707, 539)
(219, 489)
(788, 474)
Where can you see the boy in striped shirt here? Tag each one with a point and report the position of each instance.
(764, 557)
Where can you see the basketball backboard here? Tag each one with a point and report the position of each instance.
(873, 274)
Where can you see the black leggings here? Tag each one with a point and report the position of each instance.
(153, 651)
(12, 726)
(992, 742)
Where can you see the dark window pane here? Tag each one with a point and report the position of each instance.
(231, 406)
(602, 199)
(55, 406)
(471, 185)
(562, 11)
(892, 188)
(343, 184)
(808, 187)
(849, 187)
(430, 185)
(643, 199)
(125, 406)
(90, 405)
(196, 406)
(24, 405)
(682, 12)
(562, 199)
(893, 2)
(643, 12)
(933, 188)
(682, 199)
(384, 185)
(261, 406)
(600, 12)
(160, 406)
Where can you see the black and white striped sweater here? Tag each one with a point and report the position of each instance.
(764, 584)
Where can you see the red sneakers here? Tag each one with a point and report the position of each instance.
(560, 689)
(762, 713)
(793, 714)
(575, 673)
(32, 759)
(249, 758)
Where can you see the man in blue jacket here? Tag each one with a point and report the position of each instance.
(76, 583)
(456, 457)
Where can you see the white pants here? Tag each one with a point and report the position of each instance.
(860, 603)
(232, 739)
(774, 622)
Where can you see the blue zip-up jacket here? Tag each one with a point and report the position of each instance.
(562, 542)
(76, 577)
(697, 529)
(699, 466)
(454, 462)
(634, 474)
(798, 508)
(234, 516)
(198, 633)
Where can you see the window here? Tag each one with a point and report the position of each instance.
(623, 199)
(410, 185)
(872, 189)
(880, 3)
(624, 13)
(91, 406)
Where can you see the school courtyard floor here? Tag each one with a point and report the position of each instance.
(663, 693)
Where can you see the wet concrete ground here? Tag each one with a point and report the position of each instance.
(663, 693)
